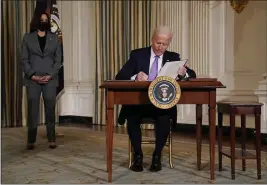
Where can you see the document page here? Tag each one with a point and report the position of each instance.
(170, 69)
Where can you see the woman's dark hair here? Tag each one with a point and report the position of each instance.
(36, 20)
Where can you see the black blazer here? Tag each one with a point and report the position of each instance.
(139, 61)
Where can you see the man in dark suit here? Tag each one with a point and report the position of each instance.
(143, 65)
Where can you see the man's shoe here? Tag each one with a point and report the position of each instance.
(156, 164)
(137, 165)
(52, 145)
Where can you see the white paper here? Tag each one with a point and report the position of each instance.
(170, 69)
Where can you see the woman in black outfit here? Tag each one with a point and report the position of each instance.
(41, 61)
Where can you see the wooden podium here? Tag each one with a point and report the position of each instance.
(195, 91)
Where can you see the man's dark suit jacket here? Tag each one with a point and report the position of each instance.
(139, 61)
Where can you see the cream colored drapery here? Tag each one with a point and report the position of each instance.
(16, 17)
(121, 26)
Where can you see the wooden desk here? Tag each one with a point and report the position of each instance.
(196, 91)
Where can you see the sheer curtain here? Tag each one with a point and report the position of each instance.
(121, 26)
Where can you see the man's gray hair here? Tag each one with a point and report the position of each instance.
(163, 30)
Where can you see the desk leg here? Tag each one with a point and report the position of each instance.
(212, 131)
(106, 109)
(199, 134)
(258, 143)
(109, 132)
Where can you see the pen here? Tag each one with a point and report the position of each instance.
(185, 63)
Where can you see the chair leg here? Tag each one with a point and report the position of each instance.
(170, 150)
(130, 154)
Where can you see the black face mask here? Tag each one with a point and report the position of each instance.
(43, 26)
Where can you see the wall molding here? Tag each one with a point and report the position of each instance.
(79, 120)
(261, 93)
(77, 100)
(235, 92)
(83, 85)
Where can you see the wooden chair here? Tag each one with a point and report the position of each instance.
(150, 141)
(243, 109)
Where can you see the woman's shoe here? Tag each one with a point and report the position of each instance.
(32, 133)
(52, 145)
(30, 146)
(51, 135)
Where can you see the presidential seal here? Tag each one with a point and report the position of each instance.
(164, 92)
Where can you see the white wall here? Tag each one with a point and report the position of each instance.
(78, 28)
(204, 33)
(250, 51)
(261, 92)
(223, 44)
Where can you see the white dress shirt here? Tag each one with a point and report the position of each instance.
(152, 58)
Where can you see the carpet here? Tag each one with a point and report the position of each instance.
(80, 159)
